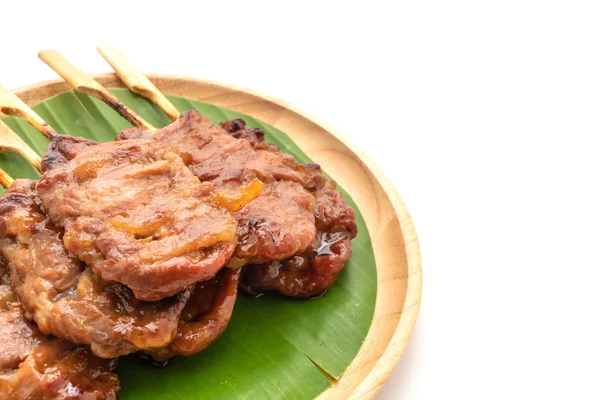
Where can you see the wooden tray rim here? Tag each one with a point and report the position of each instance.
(373, 373)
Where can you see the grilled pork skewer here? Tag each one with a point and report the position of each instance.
(68, 300)
(280, 222)
(146, 193)
(301, 275)
(68, 146)
(49, 283)
(33, 365)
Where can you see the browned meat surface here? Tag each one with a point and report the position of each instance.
(312, 177)
(279, 222)
(287, 227)
(135, 214)
(314, 271)
(317, 269)
(65, 297)
(63, 149)
(34, 366)
(256, 137)
(206, 315)
(17, 336)
(215, 156)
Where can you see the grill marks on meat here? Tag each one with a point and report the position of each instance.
(206, 315)
(133, 212)
(314, 271)
(33, 366)
(279, 223)
(65, 297)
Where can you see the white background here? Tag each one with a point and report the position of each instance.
(485, 114)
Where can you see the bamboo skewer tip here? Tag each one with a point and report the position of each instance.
(5, 179)
(12, 143)
(89, 86)
(136, 80)
(10, 104)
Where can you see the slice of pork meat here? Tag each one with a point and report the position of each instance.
(65, 297)
(135, 214)
(280, 222)
(205, 317)
(34, 366)
(316, 270)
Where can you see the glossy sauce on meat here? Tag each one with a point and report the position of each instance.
(314, 271)
(135, 214)
(34, 366)
(206, 315)
(268, 230)
(65, 297)
(279, 223)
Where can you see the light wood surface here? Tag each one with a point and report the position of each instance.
(395, 243)
(88, 85)
(10, 142)
(137, 81)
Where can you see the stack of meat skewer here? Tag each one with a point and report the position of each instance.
(141, 244)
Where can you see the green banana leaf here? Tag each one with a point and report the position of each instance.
(274, 347)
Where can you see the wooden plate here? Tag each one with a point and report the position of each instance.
(393, 235)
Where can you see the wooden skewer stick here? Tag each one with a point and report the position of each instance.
(10, 104)
(88, 85)
(136, 80)
(5, 179)
(12, 143)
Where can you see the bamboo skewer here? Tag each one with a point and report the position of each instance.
(89, 86)
(10, 104)
(5, 179)
(10, 142)
(136, 80)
